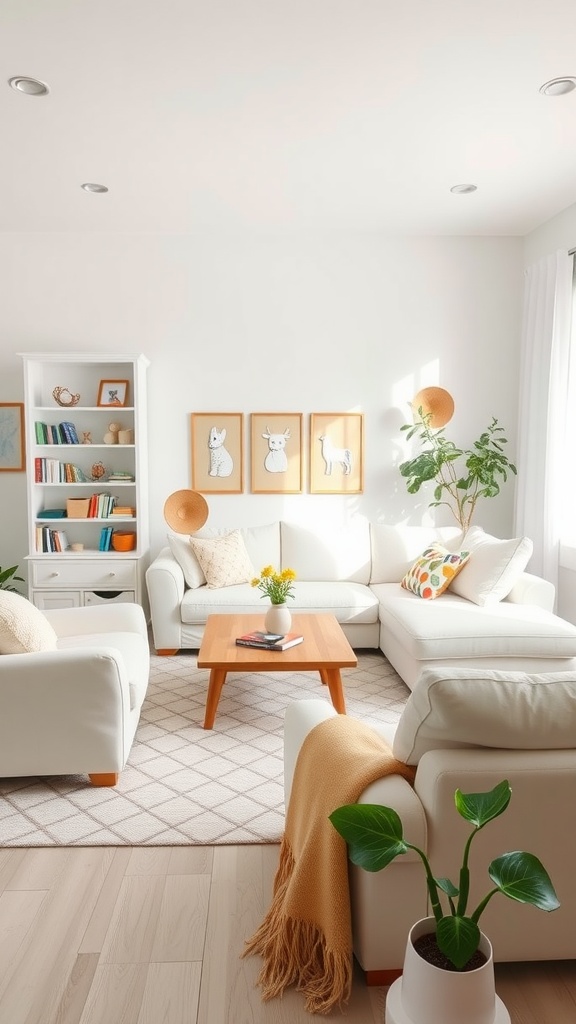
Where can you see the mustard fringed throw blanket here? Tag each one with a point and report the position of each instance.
(306, 936)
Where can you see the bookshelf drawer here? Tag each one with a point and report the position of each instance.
(100, 574)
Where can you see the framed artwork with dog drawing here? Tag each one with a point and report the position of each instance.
(336, 453)
(217, 443)
(276, 452)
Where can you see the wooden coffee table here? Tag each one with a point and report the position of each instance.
(324, 649)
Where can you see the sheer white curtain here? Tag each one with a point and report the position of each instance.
(543, 406)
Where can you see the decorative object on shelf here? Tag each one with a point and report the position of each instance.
(185, 511)
(77, 547)
(113, 392)
(111, 436)
(86, 437)
(459, 488)
(336, 453)
(276, 453)
(277, 586)
(64, 397)
(98, 471)
(436, 403)
(374, 835)
(8, 577)
(12, 451)
(125, 437)
(123, 541)
(218, 452)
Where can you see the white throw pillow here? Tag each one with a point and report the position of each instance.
(493, 568)
(224, 560)
(23, 627)
(463, 707)
(181, 548)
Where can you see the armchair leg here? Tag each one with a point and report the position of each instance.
(105, 779)
(166, 652)
(382, 977)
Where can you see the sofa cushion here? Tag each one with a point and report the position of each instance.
(327, 553)
(493, 568)
(23, 627)
(224, 560)
(463, 707)
(181, 548)
(394, 548)
(433, 571)
(349, 602)
(456, 628)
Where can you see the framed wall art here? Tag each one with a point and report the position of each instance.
(336, 453)
(276, 452)
(217, 452)
(12, 456)
(113, 392)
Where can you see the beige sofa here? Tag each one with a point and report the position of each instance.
(354, 571)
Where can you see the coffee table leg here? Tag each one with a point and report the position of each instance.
(333, 680)
(217, 680)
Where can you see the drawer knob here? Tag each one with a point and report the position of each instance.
(111, 573)
(54, 573)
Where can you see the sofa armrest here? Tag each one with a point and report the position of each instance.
(533, 590)
(166, 585)
(124, 617)
(64, 712)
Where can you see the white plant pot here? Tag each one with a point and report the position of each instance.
(426, 994)
(278, 619)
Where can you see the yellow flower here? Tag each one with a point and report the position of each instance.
(275, 585)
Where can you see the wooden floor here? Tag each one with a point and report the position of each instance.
(154, 936)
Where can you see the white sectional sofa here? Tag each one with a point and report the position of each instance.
(355, 573)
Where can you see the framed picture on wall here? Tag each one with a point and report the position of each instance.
(12, 458)
(276, 452)
(336, 453)
(217, 452)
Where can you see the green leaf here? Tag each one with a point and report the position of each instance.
(447, 886)
(522, 877)
(458, 938)
(480, 808)
(373, 833)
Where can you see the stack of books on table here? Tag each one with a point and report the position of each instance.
(269, 641)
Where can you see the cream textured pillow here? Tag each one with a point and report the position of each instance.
(494, 566)
(224, 560)
(23, 628)
(433, 571)
(181, 548)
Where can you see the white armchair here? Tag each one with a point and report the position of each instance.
(74, 710)
(446, 731)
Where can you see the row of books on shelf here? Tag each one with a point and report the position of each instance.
(56, 433)
(48, 540)
(52, 471)
(269, 641)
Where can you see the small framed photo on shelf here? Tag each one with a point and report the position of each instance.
(336, 453)
(217, 452)
(113, 392)
(276, 452)
(12, 457)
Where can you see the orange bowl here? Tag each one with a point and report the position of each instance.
(123, 541)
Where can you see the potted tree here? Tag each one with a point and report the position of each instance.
(448, 973)
(7, 578)
(462, 476)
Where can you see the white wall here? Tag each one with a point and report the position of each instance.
(258, 323)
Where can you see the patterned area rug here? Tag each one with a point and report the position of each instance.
(184, 785)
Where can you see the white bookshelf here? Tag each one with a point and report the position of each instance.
(70, 578)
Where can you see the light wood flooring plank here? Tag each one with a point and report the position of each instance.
(77, 990)
(99, 923)
(116, 995)
(171, 993)
(130, 937)
(181, 923)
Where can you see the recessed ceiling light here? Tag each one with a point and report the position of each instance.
(558, 86)
(462, 189)
(31, 86)
(92, 186)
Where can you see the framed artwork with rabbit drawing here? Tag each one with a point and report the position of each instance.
(217, 442)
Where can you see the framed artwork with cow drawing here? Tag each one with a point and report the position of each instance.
(276, 452)
(336, 453)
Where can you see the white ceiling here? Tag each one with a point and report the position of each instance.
(287, 114)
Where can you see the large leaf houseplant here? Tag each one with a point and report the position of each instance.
(8, 577)
(462, 476)
(374, 835)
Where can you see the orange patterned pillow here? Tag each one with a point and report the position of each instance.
(434, 570)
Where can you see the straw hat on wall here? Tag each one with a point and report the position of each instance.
(437, 402)
(185, 511)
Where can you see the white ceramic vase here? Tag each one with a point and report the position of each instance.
(278, 619)
(426, 994)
